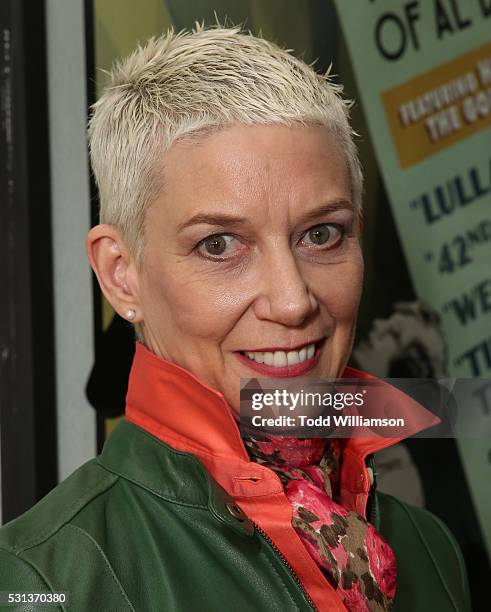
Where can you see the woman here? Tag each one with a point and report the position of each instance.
(230, 237)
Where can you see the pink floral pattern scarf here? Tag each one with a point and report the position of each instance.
(350, 552)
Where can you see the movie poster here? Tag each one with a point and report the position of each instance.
(423, 70)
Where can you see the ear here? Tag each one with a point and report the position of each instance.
(115, 269)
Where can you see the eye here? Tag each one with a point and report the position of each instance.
(216, 245)
(325, 235)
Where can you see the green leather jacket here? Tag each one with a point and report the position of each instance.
(144, 527)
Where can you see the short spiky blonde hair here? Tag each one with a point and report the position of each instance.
(191, 83)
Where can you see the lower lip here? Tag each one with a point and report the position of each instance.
(299, 369)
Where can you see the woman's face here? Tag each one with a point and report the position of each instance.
(252, 264)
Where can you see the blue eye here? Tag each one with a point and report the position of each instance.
(324, 234)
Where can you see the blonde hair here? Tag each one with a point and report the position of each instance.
(189, 83)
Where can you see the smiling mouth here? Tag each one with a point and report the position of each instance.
(277, 358)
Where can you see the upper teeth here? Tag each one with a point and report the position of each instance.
(280, 359)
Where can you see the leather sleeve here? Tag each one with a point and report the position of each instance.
(449, 555)
(16, 575)
(431, 573)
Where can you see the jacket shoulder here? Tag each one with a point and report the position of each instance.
(56, 509)
(431, 572)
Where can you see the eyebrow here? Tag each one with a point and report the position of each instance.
(224, 219)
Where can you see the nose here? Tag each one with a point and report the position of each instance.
(284, 295)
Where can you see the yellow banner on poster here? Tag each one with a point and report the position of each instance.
(438, 108)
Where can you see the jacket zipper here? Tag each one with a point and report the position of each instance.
(286, 563)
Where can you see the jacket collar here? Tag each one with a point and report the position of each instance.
(174, 405)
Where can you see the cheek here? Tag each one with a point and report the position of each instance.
(339, 290)
(201, 306)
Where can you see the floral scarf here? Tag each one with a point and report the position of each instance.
(349, 551)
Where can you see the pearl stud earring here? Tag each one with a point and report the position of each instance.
(130, 314)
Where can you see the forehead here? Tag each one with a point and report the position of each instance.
(253, 169)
